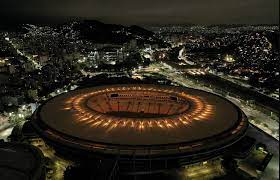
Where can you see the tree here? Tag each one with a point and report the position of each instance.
(229, 164)
(77, 172)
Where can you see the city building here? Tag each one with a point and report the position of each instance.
(111, 55)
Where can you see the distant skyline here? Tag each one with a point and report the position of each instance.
(144, 12)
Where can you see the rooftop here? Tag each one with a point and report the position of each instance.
(142, 115)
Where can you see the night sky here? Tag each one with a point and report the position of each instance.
(145, 11)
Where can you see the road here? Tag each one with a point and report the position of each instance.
(269, 124)
(36, 65)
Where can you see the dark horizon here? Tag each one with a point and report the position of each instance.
(144, 12)
(46, 20)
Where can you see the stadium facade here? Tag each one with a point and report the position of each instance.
(141, 128)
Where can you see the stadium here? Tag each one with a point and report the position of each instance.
(141, 128)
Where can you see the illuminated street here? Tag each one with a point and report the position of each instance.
(265, 122)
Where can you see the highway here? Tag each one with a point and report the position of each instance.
(267, 123)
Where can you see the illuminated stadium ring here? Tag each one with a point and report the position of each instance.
(145, 121)
(145, 108)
